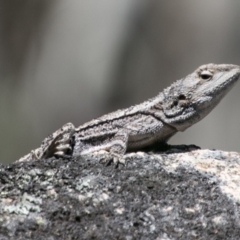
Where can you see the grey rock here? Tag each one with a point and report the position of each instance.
(176, 195)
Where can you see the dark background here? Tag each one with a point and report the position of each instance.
(71, 61)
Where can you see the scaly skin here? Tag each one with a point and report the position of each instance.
(156, 120)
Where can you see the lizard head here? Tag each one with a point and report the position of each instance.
(190, 99)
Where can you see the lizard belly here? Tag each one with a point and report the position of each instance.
(139, 141)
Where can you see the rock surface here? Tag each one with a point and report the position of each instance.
(184, 195)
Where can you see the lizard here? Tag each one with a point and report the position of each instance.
(152, 122)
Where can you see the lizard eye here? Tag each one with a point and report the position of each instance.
(206, 75)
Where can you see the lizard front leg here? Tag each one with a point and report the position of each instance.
(119, 147)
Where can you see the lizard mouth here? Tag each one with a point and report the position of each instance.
(224, 86)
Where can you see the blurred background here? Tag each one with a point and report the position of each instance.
(71, 61)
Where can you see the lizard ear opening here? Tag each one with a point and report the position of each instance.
(181, 97)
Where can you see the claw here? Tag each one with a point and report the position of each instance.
(59, 153)
(64, 147)
(35, 154)
(108, 162)
(116, 160)
(122, 161)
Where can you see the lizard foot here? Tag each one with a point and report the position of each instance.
(108, 158)
(62, 143)
(116, 160)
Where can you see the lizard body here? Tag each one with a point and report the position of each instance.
(176, 108)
